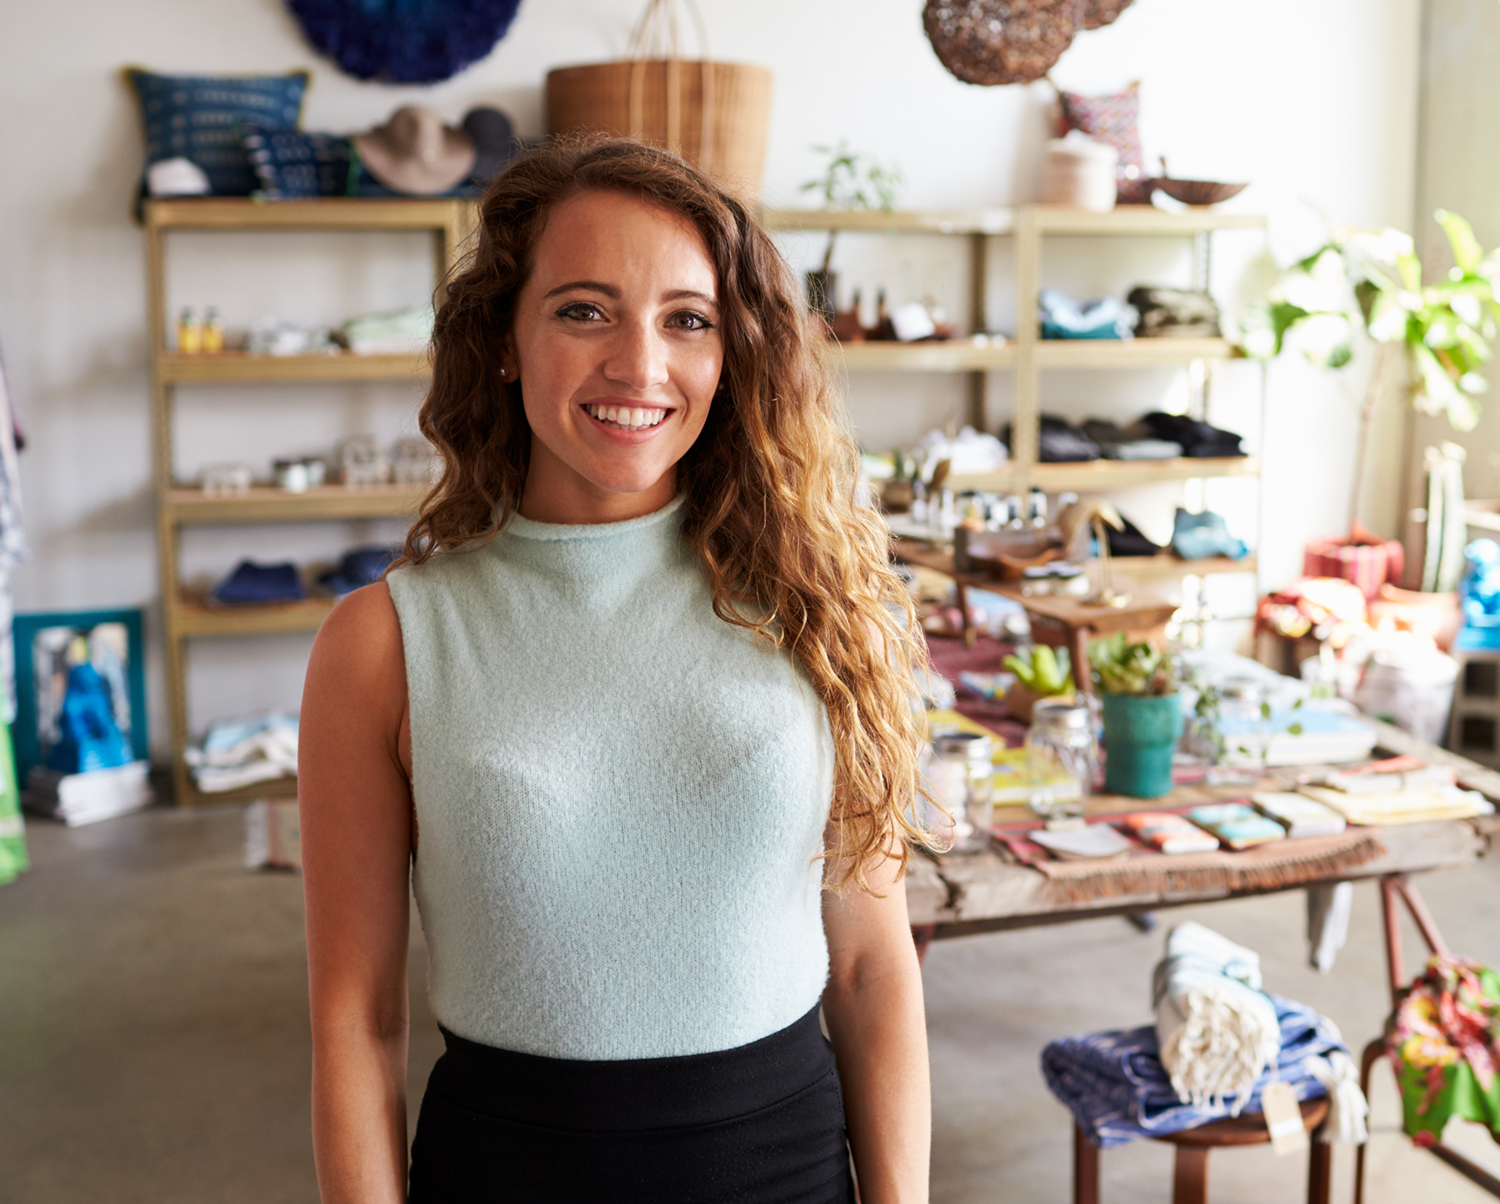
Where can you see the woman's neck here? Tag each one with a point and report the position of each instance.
(554, 493)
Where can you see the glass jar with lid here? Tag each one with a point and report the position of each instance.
(969, 756)
(1062, 755)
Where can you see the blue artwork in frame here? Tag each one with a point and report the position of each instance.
(47, 647)
(404, 41)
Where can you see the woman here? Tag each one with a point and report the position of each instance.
(635, 715)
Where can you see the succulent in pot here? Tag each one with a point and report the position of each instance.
(1041, 672)
(1137, 685)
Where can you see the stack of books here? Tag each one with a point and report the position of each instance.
(1309, 735)
(86, 798)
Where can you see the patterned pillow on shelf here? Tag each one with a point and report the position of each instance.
(1116, 121)
(291, 163)
(204, 118)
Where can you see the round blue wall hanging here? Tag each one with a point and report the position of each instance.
(404, 41)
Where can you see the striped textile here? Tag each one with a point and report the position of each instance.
(1118, 1091)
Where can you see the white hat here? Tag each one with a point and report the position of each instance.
(414, 152)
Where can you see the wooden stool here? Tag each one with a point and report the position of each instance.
(1190, 1175)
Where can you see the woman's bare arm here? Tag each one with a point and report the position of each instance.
(873, 1008)
(352, 784)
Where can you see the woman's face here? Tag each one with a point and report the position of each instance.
(617, 349)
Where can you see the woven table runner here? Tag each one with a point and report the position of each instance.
(1272, 866)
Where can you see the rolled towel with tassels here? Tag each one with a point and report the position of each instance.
(1216, 1028)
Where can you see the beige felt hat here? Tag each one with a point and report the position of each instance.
(414, 152)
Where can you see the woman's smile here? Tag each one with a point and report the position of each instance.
(621, 417)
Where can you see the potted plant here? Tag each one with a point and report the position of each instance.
(1041, 672)
(852, 182)
(1364, 289)
(1142, 715)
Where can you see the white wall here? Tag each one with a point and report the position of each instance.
(1314, 103)
(1460, 170)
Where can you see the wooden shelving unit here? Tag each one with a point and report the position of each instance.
(1026, 355)
(187, 616)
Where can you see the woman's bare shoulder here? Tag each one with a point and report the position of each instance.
(359, 643)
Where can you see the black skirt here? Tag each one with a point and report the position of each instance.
(759, 1124)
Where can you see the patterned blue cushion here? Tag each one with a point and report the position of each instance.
(204, 118)
(291, 163)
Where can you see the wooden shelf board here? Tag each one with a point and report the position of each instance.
(953, 355)
(1127, 353)
(267, 504)
(1109, 474)
(1141, 219)
(280, 788)
(238, 366)
(322, 213)
(932, 221)
(1048, 219)
(194, 617)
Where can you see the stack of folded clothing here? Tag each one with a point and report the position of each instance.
(1059, 441)
(241, 752)
(1198, 439)
(1133, 442)
(1199, 535)
(252, 584)
(1174, 313)
(1218, 1043)
(1064, 318)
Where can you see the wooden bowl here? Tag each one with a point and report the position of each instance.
(1198, 192)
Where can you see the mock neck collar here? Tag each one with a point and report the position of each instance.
(528, 528)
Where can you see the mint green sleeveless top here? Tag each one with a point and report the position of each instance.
(619, 798)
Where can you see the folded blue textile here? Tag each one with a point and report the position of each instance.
(358, 568)
(1118, 1091)
(1104, 318)
(254, 584)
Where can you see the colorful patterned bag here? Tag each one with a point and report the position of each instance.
(1444, 1043)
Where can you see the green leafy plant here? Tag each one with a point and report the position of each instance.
(1204, 730)
(1121, 666)
(1043, 671)
(853, 181)
(1365, 287)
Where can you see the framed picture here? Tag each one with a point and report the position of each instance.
(47, 647)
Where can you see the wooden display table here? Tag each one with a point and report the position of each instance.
(960, 894)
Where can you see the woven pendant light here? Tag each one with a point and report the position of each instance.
(1102, 12)
(994, 42)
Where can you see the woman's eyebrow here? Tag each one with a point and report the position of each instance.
(679, 294)
(593, 286)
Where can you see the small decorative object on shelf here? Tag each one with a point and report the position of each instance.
(362, 463)
(189, 333)
(211, 341)
(855, 183)
(414, 462)
(1195, 192)
(227, 480)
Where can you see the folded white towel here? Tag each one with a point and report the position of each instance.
(1216, 1029)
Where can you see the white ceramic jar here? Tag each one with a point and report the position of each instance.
(1080, 173)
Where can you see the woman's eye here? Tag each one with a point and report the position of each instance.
(581, 311)
(688, 320)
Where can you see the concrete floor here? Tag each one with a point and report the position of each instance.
(153, 1032)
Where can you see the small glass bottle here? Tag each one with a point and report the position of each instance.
(211, 342)
(189, 333)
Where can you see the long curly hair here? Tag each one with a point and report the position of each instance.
(770, 504)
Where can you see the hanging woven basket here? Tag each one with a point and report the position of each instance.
(1101, 12)
(713, 114)
(994, 42)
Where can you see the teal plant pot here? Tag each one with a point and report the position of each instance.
(1140, 735)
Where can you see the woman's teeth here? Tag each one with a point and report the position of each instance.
(629, 418)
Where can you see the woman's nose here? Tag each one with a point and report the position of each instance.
(637, 358)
